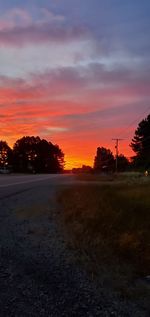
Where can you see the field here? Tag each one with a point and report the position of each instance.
(108, 225)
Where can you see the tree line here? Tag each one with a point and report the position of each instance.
(31, 154)
(105, 161)
(140, 144)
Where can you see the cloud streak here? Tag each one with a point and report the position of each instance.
(41, 33)
(68, 104)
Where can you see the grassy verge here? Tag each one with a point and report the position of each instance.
(126, 177)
(109, 225)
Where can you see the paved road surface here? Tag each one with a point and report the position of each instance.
(38, 274)
(11, 184)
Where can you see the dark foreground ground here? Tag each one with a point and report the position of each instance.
(39, 275)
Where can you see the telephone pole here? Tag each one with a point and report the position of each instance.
(117, 151)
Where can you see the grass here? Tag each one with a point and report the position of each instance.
(130, 177)
(109, 226)
(94, 177)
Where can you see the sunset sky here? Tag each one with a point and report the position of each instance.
(75, 72)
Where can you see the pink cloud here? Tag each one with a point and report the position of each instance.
(90, 117)
(19, 27)
(13, 18)
(41, 33)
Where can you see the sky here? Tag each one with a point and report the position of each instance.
(76, 73)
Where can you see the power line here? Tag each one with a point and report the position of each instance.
(134, 121)
(122, 134)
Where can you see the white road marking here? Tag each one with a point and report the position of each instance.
(29, 181)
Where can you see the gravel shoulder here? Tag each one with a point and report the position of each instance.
(39, 275)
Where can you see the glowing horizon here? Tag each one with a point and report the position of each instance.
(77, 78)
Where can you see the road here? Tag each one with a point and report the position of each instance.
(11, 184)
(39, 275)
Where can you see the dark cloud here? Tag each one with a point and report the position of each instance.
(94, 78)
(41, 33)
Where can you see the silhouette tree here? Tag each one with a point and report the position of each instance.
(104, 160)
(49, 158)
(5, 154)
(84, 169)
(141, 143)
(31, 154)
(123, 163)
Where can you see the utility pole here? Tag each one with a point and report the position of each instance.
(117, 151)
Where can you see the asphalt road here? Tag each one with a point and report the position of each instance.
(39, 275)
(12, 184)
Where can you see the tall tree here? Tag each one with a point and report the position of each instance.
(5, 154)
(104, 160)
(36, 155)
(25, 153)
(141, 143)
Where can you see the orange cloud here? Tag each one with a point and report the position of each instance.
(64, 107)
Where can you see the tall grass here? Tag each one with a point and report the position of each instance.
(110, 222)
